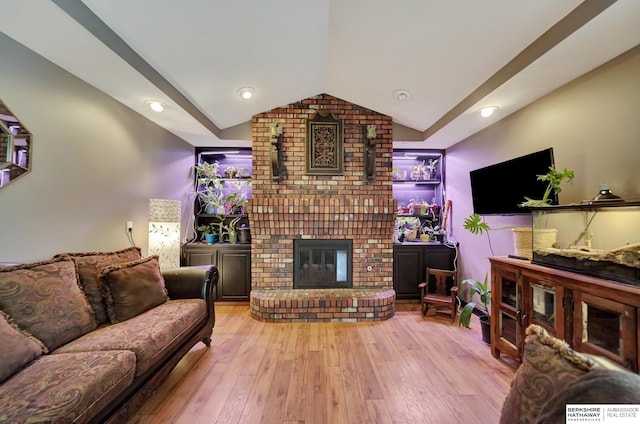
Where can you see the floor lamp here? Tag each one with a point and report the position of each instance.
(164, 231)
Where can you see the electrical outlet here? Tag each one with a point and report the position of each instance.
(129, 226)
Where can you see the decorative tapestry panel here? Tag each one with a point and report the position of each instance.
(325, 154)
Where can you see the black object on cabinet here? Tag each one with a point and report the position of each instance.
(233, 262)
(410, 262)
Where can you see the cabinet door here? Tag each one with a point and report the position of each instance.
(506, 320)
(605, 327)
(198, 258)
(440, 257)
(543, 305)
(234, 266)
(408, 272)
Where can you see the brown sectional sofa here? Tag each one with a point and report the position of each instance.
(87, 337)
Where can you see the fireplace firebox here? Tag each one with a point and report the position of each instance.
(321, 264)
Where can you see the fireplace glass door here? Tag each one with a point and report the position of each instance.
(322, 264)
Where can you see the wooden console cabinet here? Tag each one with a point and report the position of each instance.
(233, 262)
(592, 315)
(410, 261)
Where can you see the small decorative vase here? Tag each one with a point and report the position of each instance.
(210, 238)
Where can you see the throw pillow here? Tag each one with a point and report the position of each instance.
(44, 299)
(17, 348)
(130, 289)
(90, 264)
(548, 365)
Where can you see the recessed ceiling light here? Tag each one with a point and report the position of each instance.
(487, 111)
(246, 92)
(401, 95)
(155, 105)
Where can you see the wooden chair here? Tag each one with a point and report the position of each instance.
(439, 299)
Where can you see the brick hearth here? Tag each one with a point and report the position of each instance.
(321, 207)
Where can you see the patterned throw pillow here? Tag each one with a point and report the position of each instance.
(90, 264)
(134, 287)
(17, 348)
(548, 365)
(45, 300)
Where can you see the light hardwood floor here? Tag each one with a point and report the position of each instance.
(408, 369)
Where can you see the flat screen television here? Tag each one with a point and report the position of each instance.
(498, 189)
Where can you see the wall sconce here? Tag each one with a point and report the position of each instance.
(164, 232)
(275, 131)
(369, 153)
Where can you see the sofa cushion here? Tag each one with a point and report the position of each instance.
(132, 288)
(150, 335)
(17, 348)
(548, 365)
(45, 300)
(90, 264)
(69, 388)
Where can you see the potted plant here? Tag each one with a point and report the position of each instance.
(208, 187)
(231, 231)
(522, 236)
(431, 167)
(434, 233)
(408, 227)
(484, 293)
(210, 230)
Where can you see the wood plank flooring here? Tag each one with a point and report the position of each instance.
(409, 369)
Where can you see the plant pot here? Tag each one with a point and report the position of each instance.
(485, 326)
(233, 237)
(210, 238)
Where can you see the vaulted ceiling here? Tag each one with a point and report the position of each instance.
(452, 57)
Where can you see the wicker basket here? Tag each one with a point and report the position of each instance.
(524, 244)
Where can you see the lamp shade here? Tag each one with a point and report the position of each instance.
(164, 231)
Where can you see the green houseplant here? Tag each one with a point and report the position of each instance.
(484, 294)
(213, 227)
(208, 187)
(230, 230)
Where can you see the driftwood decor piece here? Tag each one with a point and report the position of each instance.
(324, 145)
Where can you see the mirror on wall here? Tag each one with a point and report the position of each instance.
(15, 146)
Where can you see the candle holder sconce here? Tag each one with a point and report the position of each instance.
(276, 151)
(369, 153)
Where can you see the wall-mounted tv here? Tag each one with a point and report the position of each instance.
(498, 189)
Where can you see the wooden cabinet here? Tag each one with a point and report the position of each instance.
(410, 261)
(592, 315)
(233, 262)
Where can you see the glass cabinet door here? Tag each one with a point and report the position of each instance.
(544, 305)
(605, 327)
(509, 319)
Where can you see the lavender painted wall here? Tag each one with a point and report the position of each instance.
(591, 123)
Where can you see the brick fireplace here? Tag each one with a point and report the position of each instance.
(321, 207)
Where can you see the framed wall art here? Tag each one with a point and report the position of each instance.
(324, 145)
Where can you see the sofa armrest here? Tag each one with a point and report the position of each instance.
(191, 282)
